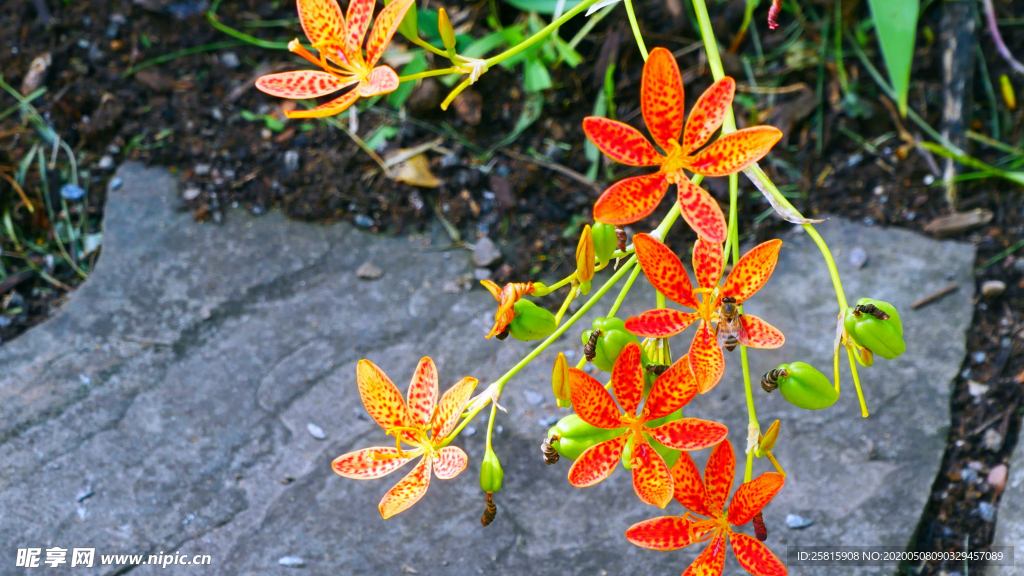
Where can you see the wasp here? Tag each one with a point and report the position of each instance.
(490, 512)
(656, 369)
(729, 327)
(870, 309)
(770, 381)
(760, 530)
(590, 350)
(550, 454)
(620, 238)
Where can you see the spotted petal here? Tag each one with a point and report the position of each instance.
(357, 22)
(735, 151)
(451, 460)
(718, 475)
(628, 378)
(752, 496)
(593, 404)
(687, 485)
(671, 391)
(689, 433)
(708, 262)
(706, 359)
(664, 533)
(301, 84)
(711, 560)
(324, 25)
(664, 270)
(652, 480)
(661, 98)
(701, 211)
(597, 462)
(660, 323)
(383, 401)
(332, 108)
(757, 333)
(620, 142)
(449, 410)
(407, 492)
(388, 21)
(631, 199)
(381, 81)
(755, 557)
(708, 113)
(422, 392)
(369, 463)
(752, 271)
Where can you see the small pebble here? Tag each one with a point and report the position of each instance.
(986, 511)
(116, 183)
(291, 160)
(202, 169)
(230, 60)
(969, 476)
(485, 253)
(993, 440)
(976, 389)
(997, 477)
(858, 257)
(291, 562)
(979, 357)
(82, 512)
(5, 321)
(993, 288)
(499, 429)
(106, 163)
(796, 521)
(84, 379)
(191, 193)
(533, 398)
(928, 179)
(315, 431)
(113, 149)
(72, 192)
(363, 221)
(83, 494)
(482, 274)
(368, 271)
(469, 430)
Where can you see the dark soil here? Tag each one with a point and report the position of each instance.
(188, 114)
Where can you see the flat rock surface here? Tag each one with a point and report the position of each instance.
(178, 386)
(1010, 522)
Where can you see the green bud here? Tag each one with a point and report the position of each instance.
(575, 436)
(802, 385)
(605, 243)
(585, 288)
(540, 289)
(491, 474)
(531, 322)
(444, 26)
(612, 340)
(876, 325)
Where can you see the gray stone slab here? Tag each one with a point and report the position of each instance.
(1010, 521)
(179, 382)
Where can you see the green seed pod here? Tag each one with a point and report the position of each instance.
(803, 385)
(575, 436)
(876, 325)
(667, 454)
(604, 241)
(612, 340)
(491, 474)
(531, 322)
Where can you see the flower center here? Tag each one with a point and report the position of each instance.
(675, 160)
(708, 309)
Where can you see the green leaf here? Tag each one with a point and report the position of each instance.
(542, 6)
(896, 27)
(418, 64)
(535, 76)
(380, 136)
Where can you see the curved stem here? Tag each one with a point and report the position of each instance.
(636, 29)
(428, 46)
(856, 382)
(554, 25)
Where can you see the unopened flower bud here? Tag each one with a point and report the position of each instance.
(876, 325)
(560, 384)
(767, 441)
(540, 289)
(444, 26)
(585, 257)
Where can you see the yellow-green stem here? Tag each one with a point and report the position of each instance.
(636, 29)
(856, 381)
(622, 293)
(554, 25)
(427, 74)
(428, 46)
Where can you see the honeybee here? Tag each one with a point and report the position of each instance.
(760, 530)
(490, 512)
(656, 369)
(770, 381)
(590, 350)
(870, 309)
(550, 454)
(729, 326)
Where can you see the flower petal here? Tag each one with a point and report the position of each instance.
(332, 108)
(708, 262)
(593, 404)
(661, 98)
(357, 22)
(383, 401)
(687, 485)
(708, 113)
(628, 378)
(735, 151)
(664, 533)
(711, 560)
(369, 463)
(324, 25)
(407, 492)
(301, 84)
(620, 142)
(701, 211)
(652, 480)
(449, 410)
(450, 462)
(752, 271)
(706, 359)
(757, 333)
(422, 392)
(718, 475)
(380, 81)
(752, 496)
(689, 433)
(384, 28)
(755, 557)
(671, 391)
(597, 462)
(660, 323)
(631, 199)
(663, 268)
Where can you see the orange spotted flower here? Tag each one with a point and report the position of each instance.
(339, 40)
(420, 422)
(507, 298)
(661, 102)
(718, 304)
(707, 498)
(652, 479)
